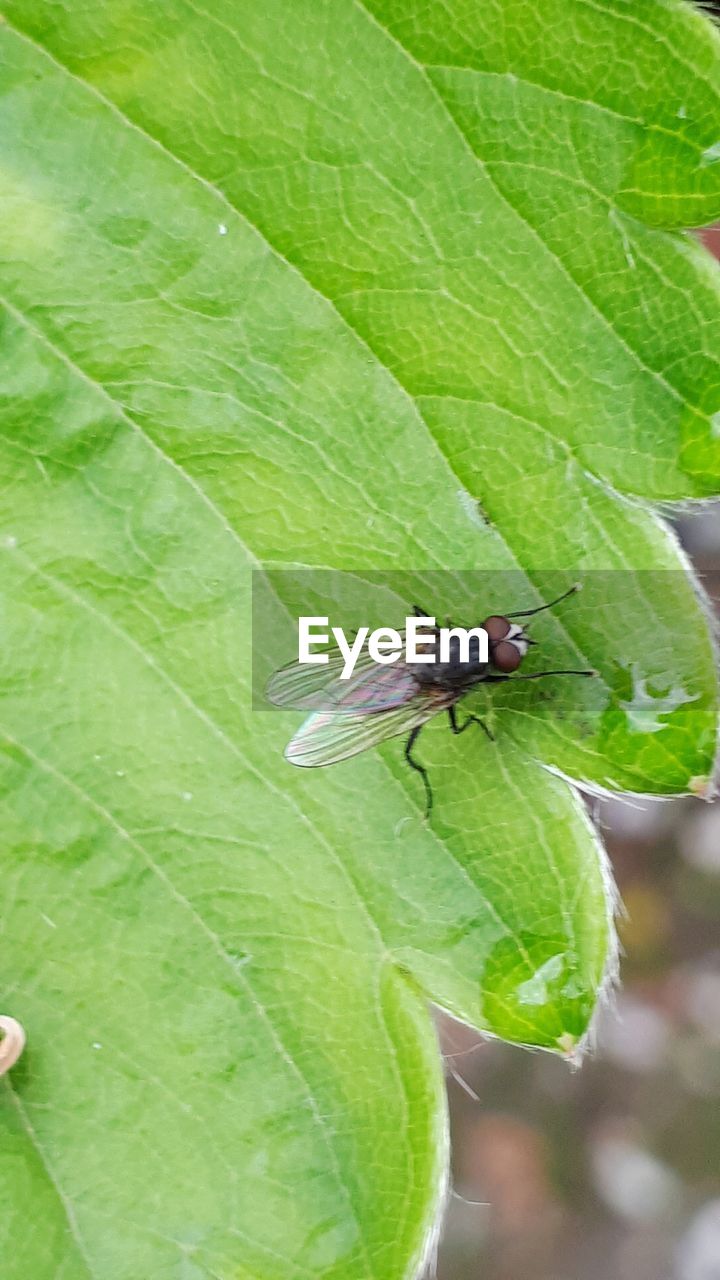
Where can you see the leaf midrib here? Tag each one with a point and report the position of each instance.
(553, 91)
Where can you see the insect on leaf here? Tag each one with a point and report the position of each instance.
(389, 285)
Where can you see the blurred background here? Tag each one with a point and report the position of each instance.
(611, 1172)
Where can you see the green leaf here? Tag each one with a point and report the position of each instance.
(359, 286)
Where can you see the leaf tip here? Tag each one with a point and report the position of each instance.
(570, 1048)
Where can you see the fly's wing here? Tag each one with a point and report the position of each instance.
(329, 736)
(305, 685)
(371, 687)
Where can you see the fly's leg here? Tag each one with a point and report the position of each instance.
(419, 768)
(535, 675)
(472, 719)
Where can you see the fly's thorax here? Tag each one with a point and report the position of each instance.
(456, 673)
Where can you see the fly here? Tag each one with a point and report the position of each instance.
(381, 702)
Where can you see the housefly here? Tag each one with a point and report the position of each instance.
(380, 702)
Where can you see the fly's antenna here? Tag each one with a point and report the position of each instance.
(528, 613)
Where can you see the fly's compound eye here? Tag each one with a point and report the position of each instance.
(506, 656)
(497, 628)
